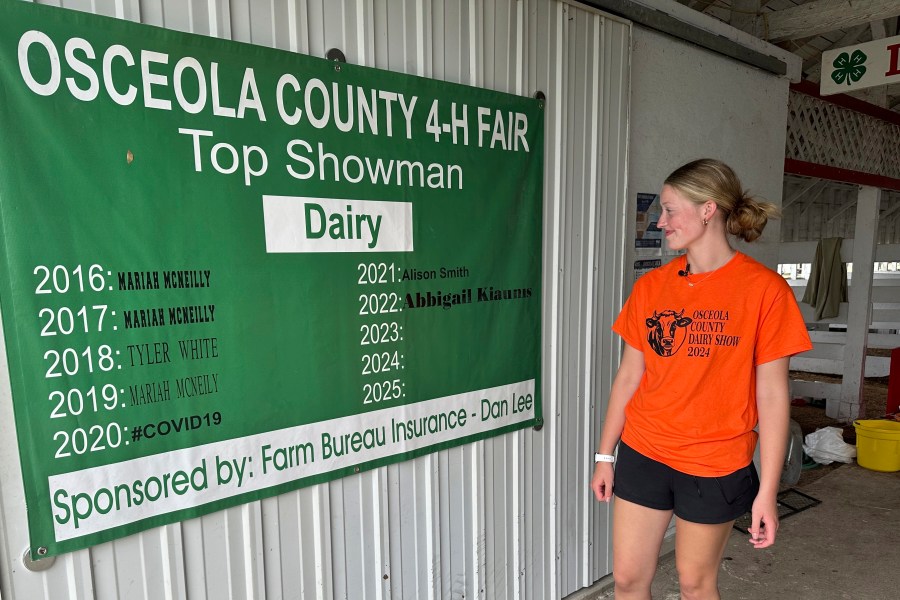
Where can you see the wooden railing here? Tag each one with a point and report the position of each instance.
(829, 336)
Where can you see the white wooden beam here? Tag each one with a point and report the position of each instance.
(852, 403)
(890, 211)
(701, 5)
(743, 15)
(703, 22)
(815, 184)
(848, 39)
(847, 207)
(821, 16)
(827, 194)
(815, 389)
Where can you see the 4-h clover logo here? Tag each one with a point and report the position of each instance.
(849, 67)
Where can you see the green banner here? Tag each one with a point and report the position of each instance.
(231, 271)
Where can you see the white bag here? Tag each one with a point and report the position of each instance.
(827, 445)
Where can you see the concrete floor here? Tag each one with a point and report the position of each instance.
(846, 548)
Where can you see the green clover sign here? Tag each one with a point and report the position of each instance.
(849, 67)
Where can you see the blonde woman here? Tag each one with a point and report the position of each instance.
(707, 343)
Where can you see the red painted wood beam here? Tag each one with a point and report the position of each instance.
(808, 169)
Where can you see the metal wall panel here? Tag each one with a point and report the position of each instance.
(508, 517)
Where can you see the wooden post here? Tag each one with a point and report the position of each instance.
(865, 238)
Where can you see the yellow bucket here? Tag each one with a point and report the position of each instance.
(878, 445)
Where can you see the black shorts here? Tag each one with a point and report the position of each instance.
(708, 500)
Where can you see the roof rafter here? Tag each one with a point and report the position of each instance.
(847, 39)
(744, 14)
(700, 5)
(821, 16)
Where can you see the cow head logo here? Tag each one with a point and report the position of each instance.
(667, 331)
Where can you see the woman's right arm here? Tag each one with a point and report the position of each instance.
(624, 386)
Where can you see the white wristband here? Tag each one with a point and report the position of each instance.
(598, 458)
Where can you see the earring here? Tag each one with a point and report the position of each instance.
(705, 222)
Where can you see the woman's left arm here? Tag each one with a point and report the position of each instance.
(773, 404)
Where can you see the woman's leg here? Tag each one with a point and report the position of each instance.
(698, 554)
(637, 536)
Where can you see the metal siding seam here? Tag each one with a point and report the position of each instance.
(427, 34)
(190, 15)
(491, 22)
(421, 560)
(405, 37)
(371, 35)
(335, 529)
(195, 542)
(476, 43)
(291, 549)
(497, 544)
(317, 33)
(212, 11)
(154, 16)
(579, 123)
(293, 43)
(606, 241)
(361, 49)
(255, 562)
(230, 574)
(420, 37)
(173, 561)
(479, 534)
(75, 585)
(346, 14)
(354, 535)
(409, 546)
(141, 540)
(445, 519)
(301, 10)
(614, 184)
(612, 284)
(393, 517)
(590, 300)
(439, 45)
(321, 520)
(520, 49)
(619, 265)
(247, 562)
(368, 531)
(568, 309)
(104, 554)
(428, 526)
(541, 482)
(136, 14)
(381, 532)
(556, 195)
(516, 515)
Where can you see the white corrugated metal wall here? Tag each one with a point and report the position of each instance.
(508, 517)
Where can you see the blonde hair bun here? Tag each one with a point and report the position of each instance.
(709, 179)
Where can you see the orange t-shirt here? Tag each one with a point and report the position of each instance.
(695, 407)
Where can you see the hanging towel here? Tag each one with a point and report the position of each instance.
(827, 286)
